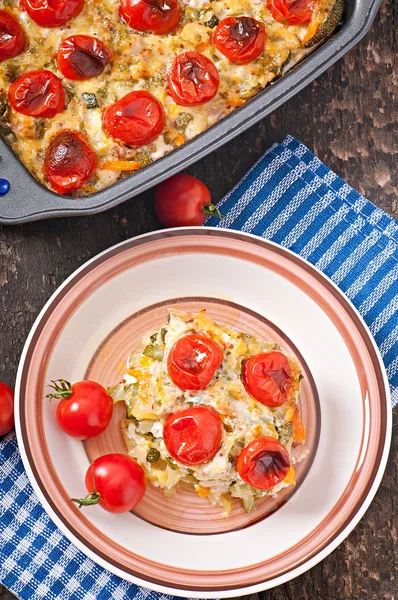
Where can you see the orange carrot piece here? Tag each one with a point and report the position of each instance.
(299, 432)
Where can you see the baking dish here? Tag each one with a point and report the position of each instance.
(28, 200)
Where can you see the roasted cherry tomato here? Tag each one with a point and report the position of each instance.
(85, 408)
(12, 39)
(183, 200)
(52, 13)
(155, 16)
(82, 57)
(69, 161)
(291, 12)
(193, 79)
(240, 39)
(193, 360)
(193, 436)
(115, 482)
(136, 119)
(37, 94)
(6, 409)
(267, 377)
(263, 463)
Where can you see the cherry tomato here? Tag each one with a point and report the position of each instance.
(193, 436)
(115, 482)
(267, 377)
(69, 161)
(12, 39)
(183, 200)
(52, 13)
(291, 12)
(136, 119)
(193, 360)
(156, 16)
(85, 408)
(240, 39)
(6, 409)
(37, 94)
(263, 463)
(193, 79)
(82, 57)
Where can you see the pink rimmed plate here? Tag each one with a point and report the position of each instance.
(180, 545)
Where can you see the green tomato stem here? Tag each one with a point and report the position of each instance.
(62, 388)
(211, 210)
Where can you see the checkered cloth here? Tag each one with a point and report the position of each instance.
(290, 197)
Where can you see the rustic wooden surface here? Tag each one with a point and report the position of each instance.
(348, 117)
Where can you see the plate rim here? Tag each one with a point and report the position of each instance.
(243, 590)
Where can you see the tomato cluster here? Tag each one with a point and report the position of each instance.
(138, 118)
(193, 436)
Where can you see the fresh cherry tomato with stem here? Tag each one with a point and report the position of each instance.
(12, 38)
(155, 16)
(114, 481)
(263, 463)
(240, 39)
(193, 361)
(6, 409)
(193, 79)
(136, 119)
(291, 12)
(183, 200)
(193, 436)
(267, 377)
(69, 161)
(85, 408)
(52, 13)
(37, 94)
(82, 57)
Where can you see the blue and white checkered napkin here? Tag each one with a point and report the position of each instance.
(290, 197)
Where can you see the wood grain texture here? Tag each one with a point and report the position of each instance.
(348, 118)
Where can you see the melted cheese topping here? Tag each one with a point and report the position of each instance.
(141, 61)
(150, 395)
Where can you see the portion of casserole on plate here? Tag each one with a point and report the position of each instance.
(214, 409)
(93, 90)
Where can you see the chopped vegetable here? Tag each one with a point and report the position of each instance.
(120, 165)
(153, 351)
(143, 158)
(90, 100)
(182, 121)
(153, 455)
(212, 22)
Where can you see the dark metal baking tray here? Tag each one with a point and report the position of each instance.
(28, 200)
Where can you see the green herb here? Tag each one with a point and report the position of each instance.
(90, 100)
(300, 377)
(153, 455)
(154, 337)
(7, 132)
(171, 463)
(163, 332)
(285, 433)
(153, 351)
(212, 22)
(123, 67)
(11, 71)
(166, 137)
(102, 91)
(3, 105)
(143, 158)
(182, 121)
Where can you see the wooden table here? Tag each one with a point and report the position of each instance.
(347, 117)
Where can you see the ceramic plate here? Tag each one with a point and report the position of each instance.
(181, 545)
